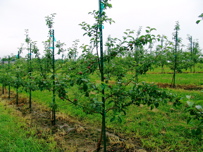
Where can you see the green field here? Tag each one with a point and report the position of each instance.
(181, 78)
(17, 136)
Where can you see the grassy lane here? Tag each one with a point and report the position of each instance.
(198, 68)
(181, 78)
(16, 136)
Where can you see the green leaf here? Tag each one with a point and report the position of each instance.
(112, 119)
(198, 131)
(120, 119)
(87, 94)
(192, 112)
(85, 87)
(103, 86)
(188, 120)
(201, 15)
(109, 5)
(193, 132)
(124, 112)
(110, 102)
(188, 97)
(198, 21)
(199, 107)
(190, 104)
(156, 104)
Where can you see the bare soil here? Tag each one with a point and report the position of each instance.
(171, 72)
(185, 87)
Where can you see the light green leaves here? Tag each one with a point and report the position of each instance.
(50, 20)
(190, 104)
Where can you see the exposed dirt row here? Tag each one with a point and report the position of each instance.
(70, 134)
(171, 72)
(185, 87)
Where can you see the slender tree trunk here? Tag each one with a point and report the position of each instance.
(175, 57)
(17, 96)
(102, 76)
(173, 79)
(2, 89)
(194, 69)
(30, 74)
(30, 100)
(54, 85)
(99, 141)
(9, 85)
(190, 69)
(162, 68)
(137, 63)
(9, 91)
(18, 81)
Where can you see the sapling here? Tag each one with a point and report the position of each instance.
(49, 23)
(9, 85)
(51, 54)
(29, 48)
(139, 58)
(161, 52)
(194, 53)
(103, 97)
(18, 75)
(176, 39)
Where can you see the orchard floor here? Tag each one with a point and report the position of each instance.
(70, 134)
(185, 87)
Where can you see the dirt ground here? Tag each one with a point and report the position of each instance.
(185, 87)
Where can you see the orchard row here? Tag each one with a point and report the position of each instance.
(100, 82)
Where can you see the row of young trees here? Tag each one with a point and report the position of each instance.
(116, 70)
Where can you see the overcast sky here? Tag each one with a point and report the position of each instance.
(18, 15)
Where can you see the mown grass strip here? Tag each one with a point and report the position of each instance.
(155, 69)
(181, 78)
(16, 136)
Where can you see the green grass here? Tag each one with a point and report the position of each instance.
(198, 68)
(196, 96)
(181, 78)
(163, 129)
(45, 98)
(16, 136)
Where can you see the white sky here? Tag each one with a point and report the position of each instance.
(18, 15)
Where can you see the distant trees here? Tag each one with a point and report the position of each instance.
(195, 53)
(162, 51)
